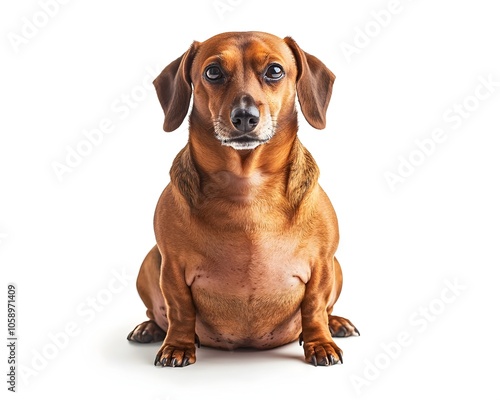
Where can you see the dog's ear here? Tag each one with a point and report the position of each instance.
(314, 85)
(173, 87)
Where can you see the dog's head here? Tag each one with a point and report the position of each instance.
(245, 85)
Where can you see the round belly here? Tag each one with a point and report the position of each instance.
(255, 318)
(248, 291)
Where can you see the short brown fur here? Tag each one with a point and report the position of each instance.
(246, 237)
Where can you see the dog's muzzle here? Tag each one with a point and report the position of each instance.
(245, 132)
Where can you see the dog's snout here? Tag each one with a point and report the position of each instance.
(245, 119)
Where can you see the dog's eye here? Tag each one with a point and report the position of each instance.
(213, 73)
(274, 72)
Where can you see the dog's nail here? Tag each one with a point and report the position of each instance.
(332, 360)
(356, 330)
(340, 358)
(314, 361)
(185, 362)
(173, 363)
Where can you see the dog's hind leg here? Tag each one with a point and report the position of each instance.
(339, 326)
(148, 286)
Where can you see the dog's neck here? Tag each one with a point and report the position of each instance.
(211, 157)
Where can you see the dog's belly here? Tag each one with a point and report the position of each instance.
(260, 320)
(247, 300)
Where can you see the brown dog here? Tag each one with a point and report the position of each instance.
(245, 235)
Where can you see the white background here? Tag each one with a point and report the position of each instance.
(61, 242)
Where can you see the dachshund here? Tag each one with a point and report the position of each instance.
(245, 235)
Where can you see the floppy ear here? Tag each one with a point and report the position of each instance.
(314, 85)
(173, 87)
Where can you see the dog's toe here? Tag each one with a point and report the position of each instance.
(175, 356)
(147, 332)
(322, 354)
(341, 327)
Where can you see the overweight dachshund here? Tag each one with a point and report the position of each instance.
(245, 235)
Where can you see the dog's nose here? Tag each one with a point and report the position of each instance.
(245, 119)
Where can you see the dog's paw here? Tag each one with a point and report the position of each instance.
(324, 354)
(176, 355)
(147, 332)
(341, 327)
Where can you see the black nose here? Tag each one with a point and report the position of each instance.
(245, 119)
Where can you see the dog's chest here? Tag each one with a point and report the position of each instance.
(250, 249)
(246, 265)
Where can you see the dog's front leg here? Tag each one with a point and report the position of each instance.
(319, 348)
(178, 348)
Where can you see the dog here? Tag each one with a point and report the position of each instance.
(245, 235)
